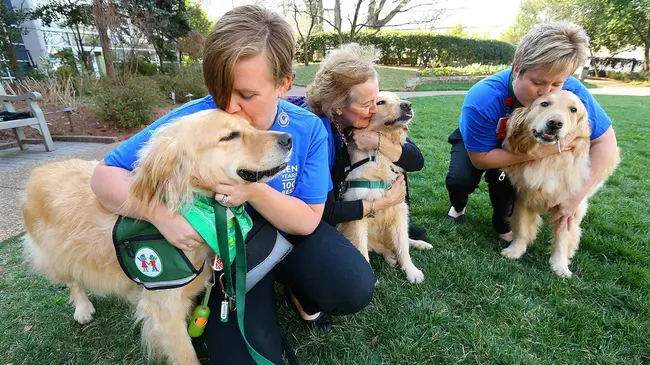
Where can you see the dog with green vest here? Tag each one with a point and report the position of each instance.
(67, 227)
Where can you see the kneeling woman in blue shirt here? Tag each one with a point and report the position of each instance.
(247, 69)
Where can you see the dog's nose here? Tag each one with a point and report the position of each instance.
(284, 140)
(405, 105)
(554, 124)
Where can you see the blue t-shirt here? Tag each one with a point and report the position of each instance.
(334, 139)
(307, 175)
(484, 105)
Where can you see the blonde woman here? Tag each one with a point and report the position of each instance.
(544, 61)
(247, 67)
(343, 94)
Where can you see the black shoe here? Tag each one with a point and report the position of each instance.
(504, 243)
(457, 220)
(323, 321)
(417, 233)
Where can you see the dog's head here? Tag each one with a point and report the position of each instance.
(550, 118)
(392, 114)
(201, 150)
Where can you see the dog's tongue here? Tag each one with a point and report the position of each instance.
(547, 135)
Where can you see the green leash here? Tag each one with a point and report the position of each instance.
(240, 293)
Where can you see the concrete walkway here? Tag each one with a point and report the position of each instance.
(16, 165)
(19, 165)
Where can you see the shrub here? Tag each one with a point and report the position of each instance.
(186, 80)
(423, 48)
(629, 76)
(127, 102)
(475, 69)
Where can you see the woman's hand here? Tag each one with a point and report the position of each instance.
(394, 195)
(234, 195)
(564, 212)
(178, 231)
(546, 150)
(366, 140)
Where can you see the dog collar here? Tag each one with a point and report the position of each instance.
(369, 184)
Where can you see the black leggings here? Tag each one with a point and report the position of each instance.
(324, 271)
(463, 178)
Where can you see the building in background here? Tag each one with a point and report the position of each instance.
(37, 44)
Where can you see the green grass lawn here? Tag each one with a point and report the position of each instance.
(445, 86)
(390, 78)
(589, 86)
(474, 306)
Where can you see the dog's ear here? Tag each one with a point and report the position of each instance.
(582, 123)
(518, 137)
(162, 175)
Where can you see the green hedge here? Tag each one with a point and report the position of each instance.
(629, 76)
(421, 48)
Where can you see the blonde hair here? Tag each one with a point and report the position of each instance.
(244, 32)
(342, 69)
(556, 47)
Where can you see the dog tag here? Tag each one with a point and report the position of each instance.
(216, 263)
(559, 147)
(224, 310)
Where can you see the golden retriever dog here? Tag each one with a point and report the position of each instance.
(542, 184)
(69, 232)
(387, 233)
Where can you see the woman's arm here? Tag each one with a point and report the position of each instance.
(499, 157)
(286, 213)
(411, 158)
(407, 156)
(111, 186)
(339, 211)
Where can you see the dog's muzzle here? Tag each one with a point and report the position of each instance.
(550, 132)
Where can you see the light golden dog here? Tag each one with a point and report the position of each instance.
(542, 184)
(387, 233)
(69, 232)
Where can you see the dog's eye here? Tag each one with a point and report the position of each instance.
(573, 109)
(381, 102)
(545, 104)
(230, 137)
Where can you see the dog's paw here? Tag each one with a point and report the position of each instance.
(392, 260)
(414, 275)
(563, 272)
(420, 245)
(84, 313)
(514, 251)
(560, 269)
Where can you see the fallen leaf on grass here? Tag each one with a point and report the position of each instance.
(27, 328)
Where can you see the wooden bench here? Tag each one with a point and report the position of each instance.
(36, 120)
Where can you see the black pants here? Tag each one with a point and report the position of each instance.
(463, 178)
(324, 271)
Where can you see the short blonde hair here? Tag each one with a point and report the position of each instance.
(244, 32)
(342, 69)
(556, 47)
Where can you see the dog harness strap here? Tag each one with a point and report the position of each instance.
(239, 295)
(357, 164)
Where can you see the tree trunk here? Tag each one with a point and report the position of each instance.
(646, 58)
(337, 15)
(306, 50)
(101, 17)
